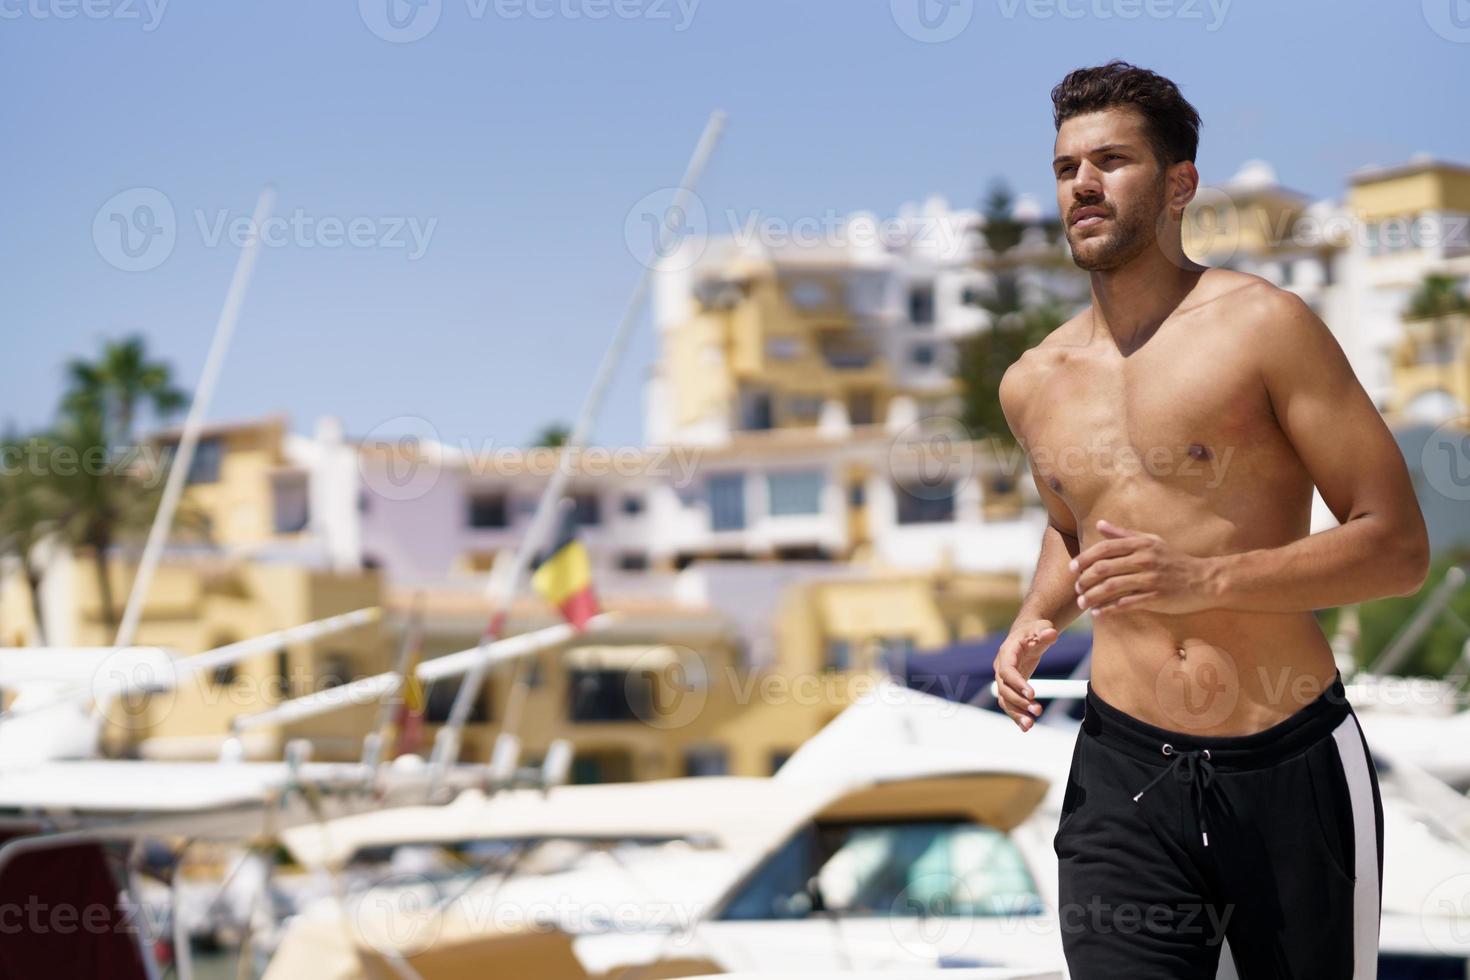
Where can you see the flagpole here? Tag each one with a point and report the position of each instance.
(446, 743)
(178, 472)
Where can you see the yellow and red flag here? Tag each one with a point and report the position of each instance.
(564, 576)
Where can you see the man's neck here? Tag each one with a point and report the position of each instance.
(1133, 300)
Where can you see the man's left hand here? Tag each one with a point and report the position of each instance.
(1139, 571)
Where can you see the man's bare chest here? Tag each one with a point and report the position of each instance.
(1189, 417)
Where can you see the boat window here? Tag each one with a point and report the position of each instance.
(930, 868)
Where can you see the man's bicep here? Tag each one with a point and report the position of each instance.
(1329, 419)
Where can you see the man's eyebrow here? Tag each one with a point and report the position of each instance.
(1096, 149)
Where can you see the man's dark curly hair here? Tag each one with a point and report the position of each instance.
(1172, 123)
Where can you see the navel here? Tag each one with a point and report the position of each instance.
(1200, 452)
(1054, 483)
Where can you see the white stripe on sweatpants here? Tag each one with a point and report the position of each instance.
(1355, 763)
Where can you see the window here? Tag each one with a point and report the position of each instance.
(922, 355)
(894, 653)
(925, 504)
(633, 561)
(838, 655)
(801, 409)
(755, 411)
(706, 761)
(440, 701)
(334, 669)
(778, 759)
(921, 304)
(588, 508)
(860, 409)
(857, 494)
(727, 502)
(208, 455)
(808, 294)
(844, 352)
(606, 695)
(290, 504)
(795, 493)
(783, 348)
(488, 510)
(910, 869)
(632, 505)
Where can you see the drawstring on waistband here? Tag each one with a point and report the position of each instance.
(1199, 771)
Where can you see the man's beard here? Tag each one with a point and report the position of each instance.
(1128, 237)
(1132, 232)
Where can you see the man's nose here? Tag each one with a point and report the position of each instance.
(1088, 182)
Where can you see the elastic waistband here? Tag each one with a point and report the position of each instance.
(1290, 736)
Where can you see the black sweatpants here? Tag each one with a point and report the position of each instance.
(1272, 840)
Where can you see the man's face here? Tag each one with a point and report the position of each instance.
(1110, 188)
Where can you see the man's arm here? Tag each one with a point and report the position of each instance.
(1381, 547)
(1049, 604)
(1051, 596)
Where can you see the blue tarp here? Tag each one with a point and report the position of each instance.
(965, 670)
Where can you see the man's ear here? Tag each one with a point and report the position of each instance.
(1183, 184)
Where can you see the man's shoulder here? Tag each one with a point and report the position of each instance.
(1245, 299)
(1035, 362)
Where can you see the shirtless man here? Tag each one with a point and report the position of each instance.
(1175, 430)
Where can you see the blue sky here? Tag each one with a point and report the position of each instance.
(517, 135)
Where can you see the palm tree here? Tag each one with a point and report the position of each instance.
(553, 436)
(98, 501)
(26, 517)
(1439, 299)
(118, 384)
(1438, 295)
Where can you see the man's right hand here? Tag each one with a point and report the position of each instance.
(1014, 665)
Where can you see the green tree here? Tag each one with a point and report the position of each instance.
(1015, 325)
(27, 515)
(553, 436)
(98, 496)
(117, 385)
(1437, 296)
(1380, 620)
